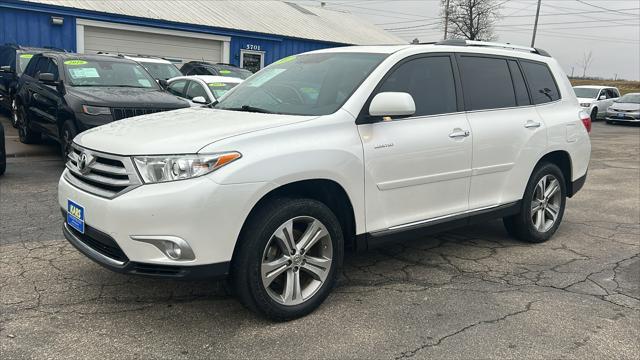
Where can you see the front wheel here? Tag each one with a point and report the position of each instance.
(542, 206)
(288, 257)
(67, 133)
(25, 133)
(14, 113)
(594, 114)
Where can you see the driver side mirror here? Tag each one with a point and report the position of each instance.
(392, 104)
(602, 97)
(6, 69)
(163, 83)
(200, 100)
(47, 78)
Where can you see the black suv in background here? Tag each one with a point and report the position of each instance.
(219, 69)
(13, 60)
(60, 95)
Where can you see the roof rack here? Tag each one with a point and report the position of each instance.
(463, 42)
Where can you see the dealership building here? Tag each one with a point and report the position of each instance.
(250, 34)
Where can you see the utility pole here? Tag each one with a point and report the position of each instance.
(446, 19)
(535, 26)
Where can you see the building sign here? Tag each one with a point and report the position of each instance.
(252, 47)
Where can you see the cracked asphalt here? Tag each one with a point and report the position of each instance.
(473, 293)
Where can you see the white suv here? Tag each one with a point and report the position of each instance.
(595, 100)
(330, 150)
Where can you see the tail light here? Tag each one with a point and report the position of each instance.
(586, 120)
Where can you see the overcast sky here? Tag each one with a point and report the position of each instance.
(567, 29)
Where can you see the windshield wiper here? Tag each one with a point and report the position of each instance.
(249, 108)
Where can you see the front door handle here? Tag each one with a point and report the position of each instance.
(458, 133)
(532, 124)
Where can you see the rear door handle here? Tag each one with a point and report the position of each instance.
(458, 133)
(532, 124)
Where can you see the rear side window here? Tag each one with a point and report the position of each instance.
(486, 83)
(430, 82)
(541, 83)
(7, 56)
(519, 86)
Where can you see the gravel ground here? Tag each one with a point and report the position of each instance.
(471, 293)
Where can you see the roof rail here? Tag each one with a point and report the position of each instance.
(463, 42)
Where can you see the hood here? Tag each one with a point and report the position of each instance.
(126, 97)
(586, 100)
(184, 131)
(624, 106)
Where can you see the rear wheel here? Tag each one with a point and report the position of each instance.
(26, 135)
(288, 258)
(542, 206)
(67, 133)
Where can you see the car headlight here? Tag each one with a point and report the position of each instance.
(585, 104)
(155, 169)
(96, 110)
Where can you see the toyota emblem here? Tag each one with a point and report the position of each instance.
(82, 164)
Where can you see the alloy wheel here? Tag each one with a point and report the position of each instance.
(297, 260)
(546, 202)
(14, 112)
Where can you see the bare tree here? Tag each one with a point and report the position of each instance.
(471, 19)
(587, 58)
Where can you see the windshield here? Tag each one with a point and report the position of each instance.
(630, 98)
(161, 71)
(220, 88)
(107, 73)
(312, 84)
(23, 61)
(234, 72)
(586, 92)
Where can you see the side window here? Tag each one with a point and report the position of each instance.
(541, 83)
(429, 80)
(31, 67)
(6, 55)
(41, 66)
(519, 86)
(177, 88)
(199, 70)
(486, 83)
(616, 93)
(52, 67)
(195, 90)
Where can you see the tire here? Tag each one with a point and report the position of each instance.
(26, 135)
(541, 226)
(609, 122)
(260, 249)
(14, 113)
(594, 114)
(68, 132)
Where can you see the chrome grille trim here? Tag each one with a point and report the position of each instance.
(106, 175)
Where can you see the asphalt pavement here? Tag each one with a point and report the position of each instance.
(473, 293)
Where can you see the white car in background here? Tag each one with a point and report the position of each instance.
(159, 68)
(595, 100)
(201, 89)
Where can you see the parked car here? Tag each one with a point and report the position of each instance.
(3, 151)
(61, 94)
(161, 69)
(624, 109)
(13, 60)
(201, 89)
(596, 99)
(333, 149)
(219, 69)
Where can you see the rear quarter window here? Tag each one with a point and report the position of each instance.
(542, 85)
(486, 83)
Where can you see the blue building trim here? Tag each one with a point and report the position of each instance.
(29, 24)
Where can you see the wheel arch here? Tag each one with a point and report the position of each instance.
(327, 191)
(562, 159)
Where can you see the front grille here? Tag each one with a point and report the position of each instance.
(100, 242)
(100, 174)
(123, 113)
(157, 270)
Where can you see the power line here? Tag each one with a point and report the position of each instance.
(600, 7)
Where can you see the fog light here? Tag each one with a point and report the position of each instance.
(172, 250)
(172, 247)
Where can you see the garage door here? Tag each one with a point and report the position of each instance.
(134, 42)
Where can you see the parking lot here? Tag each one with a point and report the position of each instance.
(470, 293)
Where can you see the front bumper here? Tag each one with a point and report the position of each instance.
(626, 116)
(207, 215)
